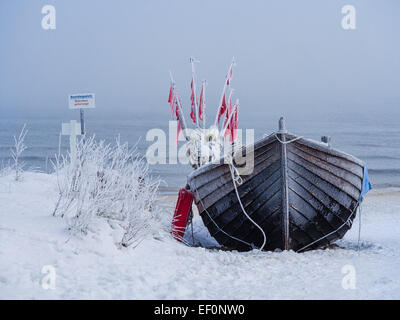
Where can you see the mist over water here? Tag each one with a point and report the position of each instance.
(374, 137)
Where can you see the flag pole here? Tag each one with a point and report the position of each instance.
(223, 92)
(196, 110)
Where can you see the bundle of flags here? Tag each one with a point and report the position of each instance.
(174, 102)
(198, 111)
(231, 113)
(193, 102)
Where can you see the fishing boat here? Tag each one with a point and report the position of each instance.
(301, 195)
(284, 192)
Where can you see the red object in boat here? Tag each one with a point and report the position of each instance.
(181, 214)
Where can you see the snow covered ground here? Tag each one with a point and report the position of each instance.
(160, 268)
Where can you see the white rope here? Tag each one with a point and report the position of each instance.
(236, 176)
(327, 235)
(212, 220)
(237, 179)
(287, 142)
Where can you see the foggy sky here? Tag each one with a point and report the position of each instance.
(291, 55)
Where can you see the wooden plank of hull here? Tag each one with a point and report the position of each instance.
(347, 175)
(318, 146)
(323, 191)
(251, 193)
(334, 212)
(266, 213)
(220, 188)
(306, 217)
(202, 175)
(331, 189)
(225, 179)
(342, 163)
(338, 182)
(221, 174)
(260, 186)
(269, 217)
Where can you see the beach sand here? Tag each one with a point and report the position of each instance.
(94, 267)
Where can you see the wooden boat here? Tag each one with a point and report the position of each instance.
(303, 194)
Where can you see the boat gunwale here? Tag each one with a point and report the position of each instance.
(320, 146)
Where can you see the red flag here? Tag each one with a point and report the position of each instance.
(229, 77)
(192, 114)
(179, 128)
(227, 115)
(234, 123)
(201, 103)
(171, 101)
(170, 94)
(223, 108)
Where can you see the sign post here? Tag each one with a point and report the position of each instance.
(82, 122)
(81, 101)
(72, 129)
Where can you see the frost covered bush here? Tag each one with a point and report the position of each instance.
(16, 152)
(108, 182)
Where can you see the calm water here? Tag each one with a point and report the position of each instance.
(371, 137)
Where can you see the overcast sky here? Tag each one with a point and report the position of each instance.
(291, 55)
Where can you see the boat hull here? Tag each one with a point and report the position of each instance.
(302, 193)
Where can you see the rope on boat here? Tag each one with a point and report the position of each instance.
(347, 222)
(227, 234)
(287, 142)
(238, 179)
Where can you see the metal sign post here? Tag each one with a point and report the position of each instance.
(82, 122)
(81, 101)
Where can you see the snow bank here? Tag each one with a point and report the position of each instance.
(161, 268)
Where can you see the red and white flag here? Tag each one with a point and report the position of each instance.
(202, 102)
(222, 109)
(192, 103)
(234, 122)
(171, 98)
(174, 104)
(170, 93)
(229, 76)
(227, 115)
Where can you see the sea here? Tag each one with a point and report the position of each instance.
(374, 137)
